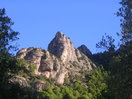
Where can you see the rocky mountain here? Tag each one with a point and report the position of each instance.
(63, 48)
(60, 61)
(85, 50)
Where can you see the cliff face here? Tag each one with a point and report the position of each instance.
(60, 61)
(63, 48)
(46, 63)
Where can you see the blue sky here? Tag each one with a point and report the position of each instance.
(84, 21)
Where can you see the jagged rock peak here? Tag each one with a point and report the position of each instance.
(59, 34)
(84, 50)
(62, 47)
(61, 60)
(63, 37)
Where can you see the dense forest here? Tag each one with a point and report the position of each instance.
(112, 79)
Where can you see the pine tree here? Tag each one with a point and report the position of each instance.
(125, 12)
(7, 34)
(121, 65)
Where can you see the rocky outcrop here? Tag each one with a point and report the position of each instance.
(62, 47)
(20, 81)
(85, 50)
(60, 61)
(46, 64)
(26, 84)
(39, 85)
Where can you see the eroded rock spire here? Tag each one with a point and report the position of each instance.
(62, 47)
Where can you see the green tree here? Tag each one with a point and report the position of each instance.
(125, 12)
(121, 65)
(107, 42)
(7, 60)
(7, 36)
(97, 83)
(121, 76)
(103, 58)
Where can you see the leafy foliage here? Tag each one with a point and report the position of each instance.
(94, 86)
(7, 34)
(107, 43)
(125, 12)
(115, 83)
(121, 75)
(121, 65)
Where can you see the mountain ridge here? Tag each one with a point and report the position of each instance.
(60, 61)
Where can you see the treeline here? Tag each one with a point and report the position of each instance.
(119, 62)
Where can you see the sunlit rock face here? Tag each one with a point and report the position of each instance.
(60, 61)
(46, 64)
(62, 47)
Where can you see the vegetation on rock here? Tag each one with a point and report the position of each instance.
(112, 79)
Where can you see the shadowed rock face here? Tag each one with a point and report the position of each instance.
(85, 50)
(60, 61)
